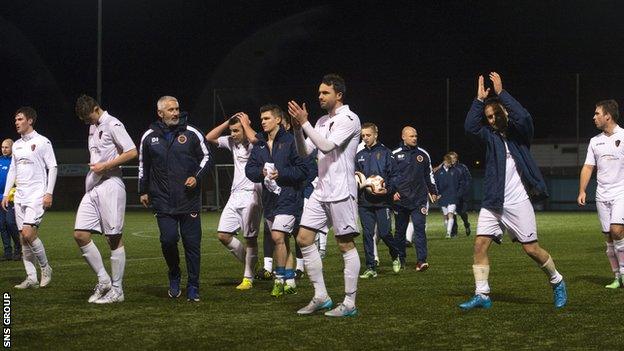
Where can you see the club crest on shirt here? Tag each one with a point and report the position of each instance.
(33, 147)
(378, 155)
(419, 158)
(617, 143)
(182, 139)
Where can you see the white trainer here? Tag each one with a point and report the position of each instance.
(112, 296)
(27, 284)
(342, 311)
(100, 290)
(46, 276)
(316, 305)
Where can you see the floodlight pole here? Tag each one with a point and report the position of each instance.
(448, 115)
(578, 138)
(99, 54)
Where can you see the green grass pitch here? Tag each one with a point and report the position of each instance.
(410, 310)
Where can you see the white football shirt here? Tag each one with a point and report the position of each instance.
(107, 139)
(514, 189)
(32, 155)
(337, 167)
(240, 155)
(607, 154)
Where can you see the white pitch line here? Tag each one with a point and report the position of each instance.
(143, 236)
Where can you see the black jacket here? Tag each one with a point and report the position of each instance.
(167, 157)
(377, 160)
(518, 137)
(292, 172)
(415, 180)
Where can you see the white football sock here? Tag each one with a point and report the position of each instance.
(375, 239)
(314, 268)
(449, 226)
(551, 271)
(29, 262)
(237, 249)
(300, 264)
(322, 241)
(409, 232)
(619, 252)
(93, 257)
(481, 273)
(613, 260)
(351, 274)
(268, 264)
(251, 258)
(118, 264)
(39, 251)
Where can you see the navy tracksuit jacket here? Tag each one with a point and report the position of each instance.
(375, 210)
(415, 182)
(292, 173)
(518, 137)
(167, 157)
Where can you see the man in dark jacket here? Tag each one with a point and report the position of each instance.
(275, 163)
(415, 186)
(173, 158)
(447, 179)
(512, 179)
(463, 193)
(375, 159)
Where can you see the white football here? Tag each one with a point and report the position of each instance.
(375, 184)
(360, 179)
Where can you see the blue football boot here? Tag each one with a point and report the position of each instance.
(560, 295)
(477, 301)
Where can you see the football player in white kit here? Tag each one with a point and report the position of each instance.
(32, 156)
(606, 153)
(244, 207)
(334, 200)
(103, 206)
(512, 180)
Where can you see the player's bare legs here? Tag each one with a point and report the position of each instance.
(280, 254)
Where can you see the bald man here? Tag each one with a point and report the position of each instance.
(415, 185)
(8, 227)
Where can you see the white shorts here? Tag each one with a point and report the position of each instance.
(610, 212)
(29, 214)
(450, 208)
(102, 208)
(323, 230)
(243, 211)
(282, 223)
(517, 219)
(340, 215)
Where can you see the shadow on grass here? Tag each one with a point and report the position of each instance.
(592, 279)
(154, 290)
(11, 280)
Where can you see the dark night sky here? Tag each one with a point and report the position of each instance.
(395, 56)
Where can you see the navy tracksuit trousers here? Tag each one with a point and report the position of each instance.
(188, 226)
(419, 219)
(369, 217)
